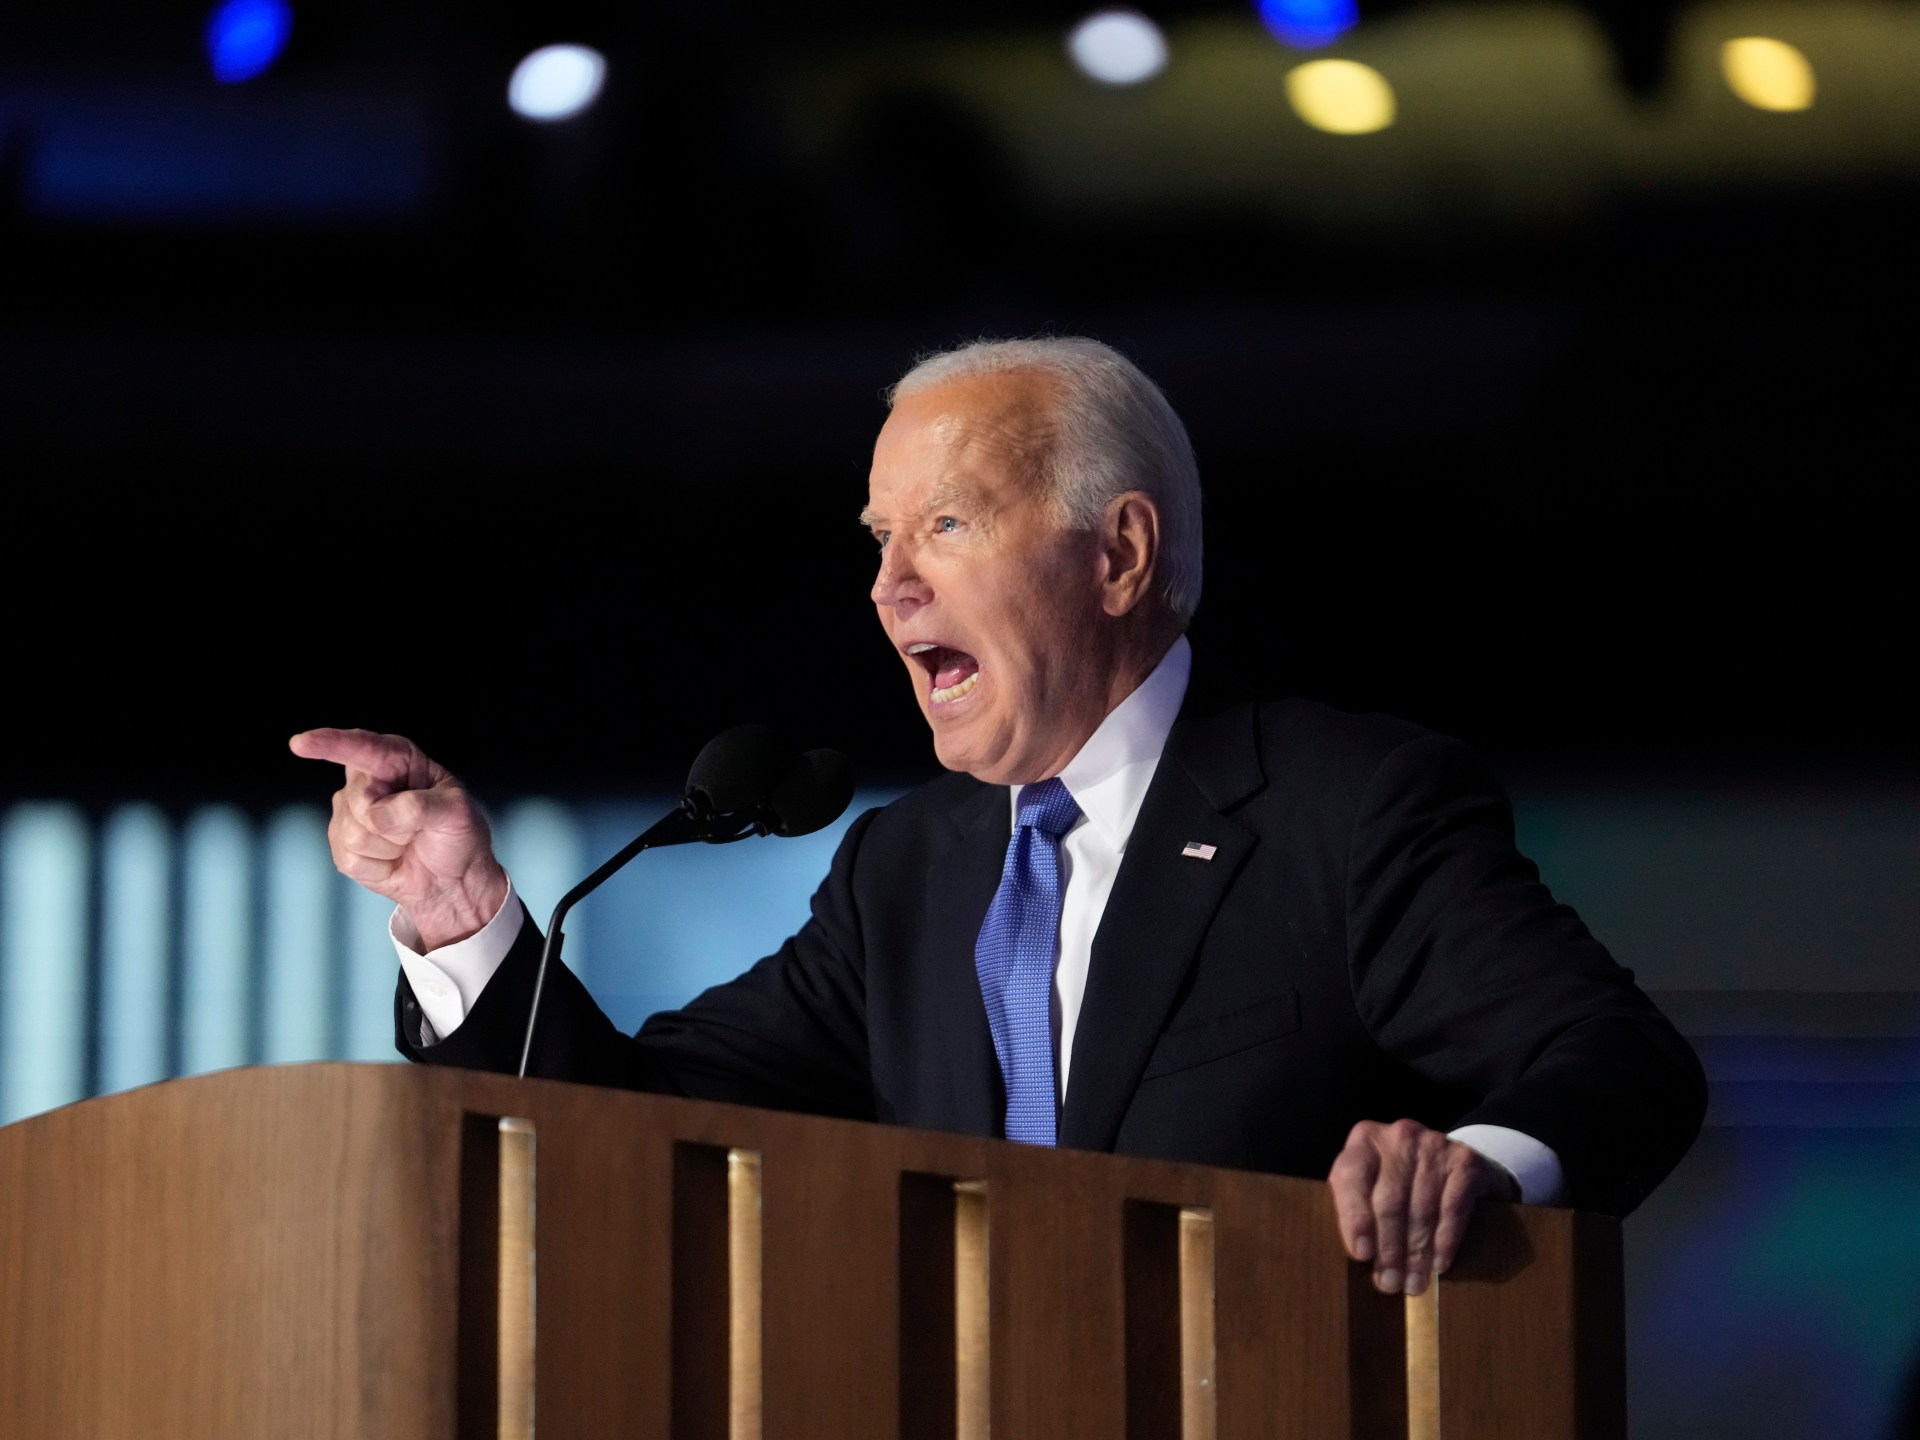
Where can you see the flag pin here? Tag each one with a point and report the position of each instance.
(1196, 851)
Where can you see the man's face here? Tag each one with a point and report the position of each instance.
(994, 608)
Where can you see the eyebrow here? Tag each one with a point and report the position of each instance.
(945, 496)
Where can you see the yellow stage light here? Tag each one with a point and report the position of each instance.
(1342, 97)
(1767, 74)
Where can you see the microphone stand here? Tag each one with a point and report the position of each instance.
(676, 827)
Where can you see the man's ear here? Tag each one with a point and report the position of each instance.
(1129, 551)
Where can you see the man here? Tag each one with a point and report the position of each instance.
(1144, 914)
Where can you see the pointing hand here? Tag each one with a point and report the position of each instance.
(406, 829)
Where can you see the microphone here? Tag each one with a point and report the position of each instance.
(744, 782)
(811, 796)
(735, 771)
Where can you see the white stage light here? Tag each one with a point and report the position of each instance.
(556, 82)
(1118, 47)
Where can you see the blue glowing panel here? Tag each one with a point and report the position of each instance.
(1774, 889)
(679, 920)
(244, 37)
(216, 959)
(1770, 1284)
(136, 923)
(43, 958)
(541, 844)
(166, 154)
(297, 938)
(1308, 24)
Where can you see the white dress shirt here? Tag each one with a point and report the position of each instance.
(1108, 780)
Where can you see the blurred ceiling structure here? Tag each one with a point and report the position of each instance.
(1579, 344)
(1508, 115)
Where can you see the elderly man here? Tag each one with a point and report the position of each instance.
(1145, 913)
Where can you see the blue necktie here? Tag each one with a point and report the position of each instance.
(1015, 956)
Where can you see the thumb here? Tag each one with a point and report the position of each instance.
(403, 815)
(399, 817)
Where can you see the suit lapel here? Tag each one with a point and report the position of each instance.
(1161, 905)
(959, 887)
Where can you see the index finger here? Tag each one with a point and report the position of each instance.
(388, 758)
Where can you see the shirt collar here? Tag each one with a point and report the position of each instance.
(1109, 776)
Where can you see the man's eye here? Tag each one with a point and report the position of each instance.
(946, 524)
(880, 538)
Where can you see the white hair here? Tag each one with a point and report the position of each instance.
(1117, 433)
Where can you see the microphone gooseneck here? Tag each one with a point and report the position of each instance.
(744, 782)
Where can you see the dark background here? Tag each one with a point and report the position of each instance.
(551, 462)
(1575, 424)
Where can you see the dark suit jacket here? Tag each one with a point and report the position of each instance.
(1365, 943)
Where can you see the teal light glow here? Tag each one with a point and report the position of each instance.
(369, 969)
(541, 844)
(297, 939)
(43, 958)
(136, 894)
(1831, 1247)
(216, 958)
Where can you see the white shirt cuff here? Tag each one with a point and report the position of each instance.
(1534, 1167)
(447, 982)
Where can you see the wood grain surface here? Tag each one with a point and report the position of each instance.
(296, 1251)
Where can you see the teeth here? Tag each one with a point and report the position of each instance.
(921, 648)
(954, 692)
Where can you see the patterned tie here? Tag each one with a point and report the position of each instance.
(1015, 956)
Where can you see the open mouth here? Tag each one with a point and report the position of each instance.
(954, 673)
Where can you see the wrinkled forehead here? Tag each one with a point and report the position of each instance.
(1004, 421)
(1011, 412)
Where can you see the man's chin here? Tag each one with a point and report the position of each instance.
(950, 755)
(952, 749)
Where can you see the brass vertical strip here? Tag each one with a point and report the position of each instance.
(972, 1343)
(1198, 1399)
(516, 1293)
(743, 1294)
(1423, 1363)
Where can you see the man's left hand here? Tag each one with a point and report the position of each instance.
(1404, 1194)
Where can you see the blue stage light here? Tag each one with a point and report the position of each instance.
(1308, 24)
(244, 37)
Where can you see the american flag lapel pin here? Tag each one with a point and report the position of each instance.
(1196, 851)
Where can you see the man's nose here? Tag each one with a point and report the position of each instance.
(899, 584)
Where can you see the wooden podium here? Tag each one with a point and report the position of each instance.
(365, 1251)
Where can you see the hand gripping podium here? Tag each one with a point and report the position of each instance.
(365, 1251)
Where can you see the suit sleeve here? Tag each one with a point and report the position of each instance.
(789, 1034)
(1466, 969)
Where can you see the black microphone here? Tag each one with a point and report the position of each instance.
(735, 771)
(815, 790)
(744, 782)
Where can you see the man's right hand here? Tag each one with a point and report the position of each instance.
(405, 828)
